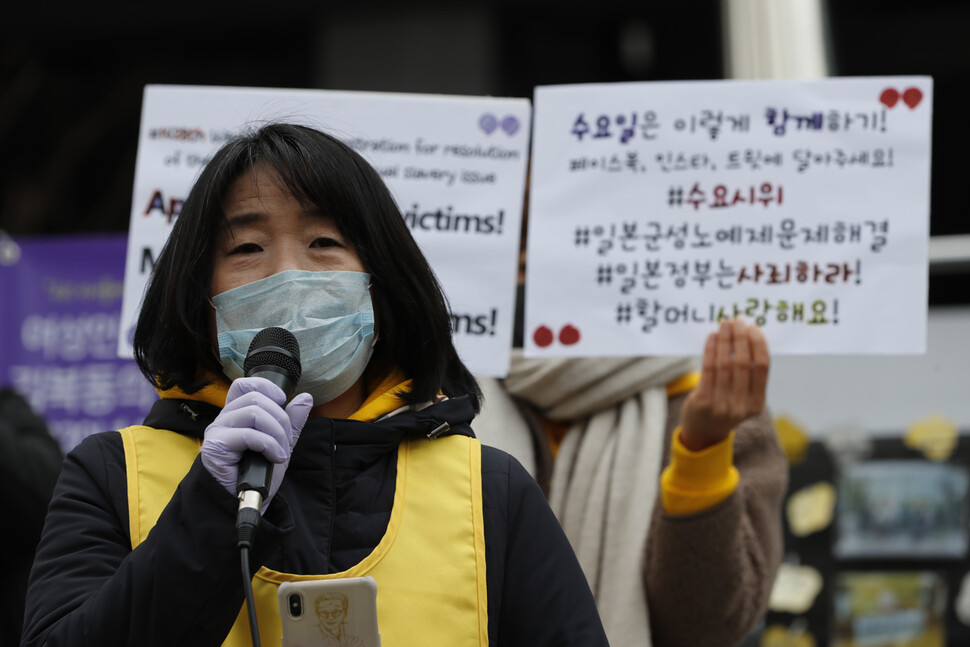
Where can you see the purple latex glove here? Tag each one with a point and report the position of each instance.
(254, 418)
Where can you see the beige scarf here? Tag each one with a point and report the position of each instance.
(605, 477)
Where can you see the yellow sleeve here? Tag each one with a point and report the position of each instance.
(696, 481)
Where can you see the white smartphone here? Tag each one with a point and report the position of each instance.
(318, 613)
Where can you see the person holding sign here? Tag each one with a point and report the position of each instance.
(376, 470)
(669, 483)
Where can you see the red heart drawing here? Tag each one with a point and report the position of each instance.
(569, 335)
(889, 97)
(912, 97)
(542, 336)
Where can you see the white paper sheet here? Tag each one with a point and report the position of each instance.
(657, 209)
(456, 166)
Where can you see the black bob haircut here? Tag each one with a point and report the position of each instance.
(173, 340)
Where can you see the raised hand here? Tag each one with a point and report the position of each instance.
(734, 377)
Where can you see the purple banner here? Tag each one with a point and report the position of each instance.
(60, 307)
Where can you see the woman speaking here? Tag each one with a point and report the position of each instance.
(376, 470)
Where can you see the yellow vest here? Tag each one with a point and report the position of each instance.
(429, 566)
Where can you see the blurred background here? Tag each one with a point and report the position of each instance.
(72, 74)
(71, 82)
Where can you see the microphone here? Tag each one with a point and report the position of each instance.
(274, 354)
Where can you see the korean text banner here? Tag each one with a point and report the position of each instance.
(59, 335)
(658, 209)
(455, 165)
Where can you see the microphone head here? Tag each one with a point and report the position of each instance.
(276, 348)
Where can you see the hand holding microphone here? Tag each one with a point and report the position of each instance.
(254, 431)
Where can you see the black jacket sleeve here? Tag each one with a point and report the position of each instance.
(30, 460)
(537, 592)
(182, 585)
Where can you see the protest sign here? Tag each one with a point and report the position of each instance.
(59, 335)
(455, 165)
(658, 209)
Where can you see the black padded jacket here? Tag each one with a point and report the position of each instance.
(182, 585)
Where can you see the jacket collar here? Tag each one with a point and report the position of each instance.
(190, 414)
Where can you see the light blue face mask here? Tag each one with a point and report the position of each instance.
(329, 313)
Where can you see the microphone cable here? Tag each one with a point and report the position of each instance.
(246, 524)
(254, 485)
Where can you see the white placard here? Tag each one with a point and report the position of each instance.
(658, 208)
(456, 166)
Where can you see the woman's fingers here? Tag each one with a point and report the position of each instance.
(722, 368)
(760, 365)
(705, 388)
(734, 375)
(741, 372)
